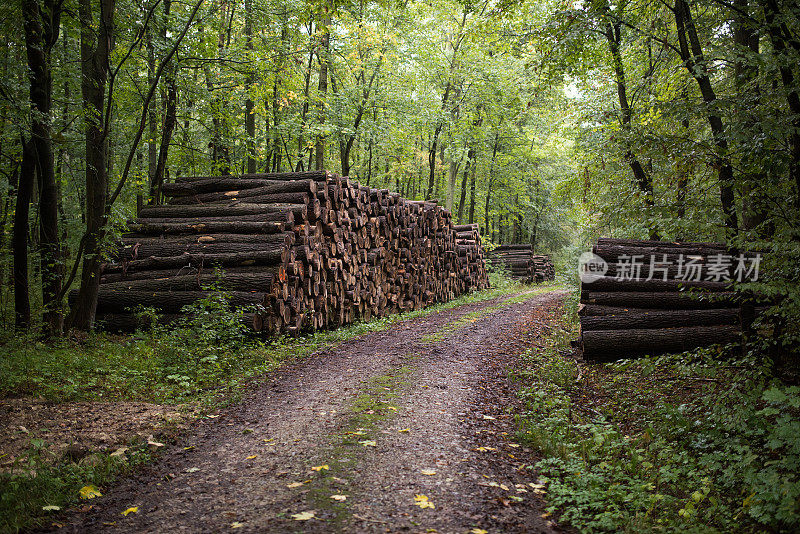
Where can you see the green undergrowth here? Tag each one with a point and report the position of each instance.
(35, 487)
(205, 360)
(693, 442)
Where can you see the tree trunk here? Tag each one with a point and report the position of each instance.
(472, 192)
(324, 57)
(779, 36)
(613, 35)
(463, 200)
(249, 105)
(95, 50)
(695, 63)
(41, 33)
(22, 306)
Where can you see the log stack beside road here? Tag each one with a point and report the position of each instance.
(657, 297)
(523, 264)
(303, 250)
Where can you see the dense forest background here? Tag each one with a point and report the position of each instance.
(544, 122)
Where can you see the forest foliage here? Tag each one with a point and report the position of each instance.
(544, 122)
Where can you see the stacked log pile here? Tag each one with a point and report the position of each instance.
(686, 301)
(523, 264)
(311, 250)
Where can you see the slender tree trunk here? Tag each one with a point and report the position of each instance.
(152, 118)
(22, 306)
(613, 35)
(780, 35)
(472, 192)
(324, 57)
(695, 63)
(249, 105)
(170, 120)
(42, 25)
(96, 44)
(464, 178)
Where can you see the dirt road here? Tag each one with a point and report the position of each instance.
(406, 430)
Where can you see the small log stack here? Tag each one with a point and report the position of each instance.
(310, 249)
(523, 264)
(624, 314)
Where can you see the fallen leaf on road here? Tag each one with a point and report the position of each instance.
(89, 492)
(303, 516)
(131, 510)
(404, 430)
(422, 501)
(295, 484)
(428, 472)
(489, 417)
(152, 441)
(237, 524)
(320, 467)
(339, 498)
(193, 470)
(368, 443)
(503, 487)
(51, 508)
(478, 531)
(252, 457)
(484, 449)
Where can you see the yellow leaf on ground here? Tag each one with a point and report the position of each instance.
(339, 498)
(428, 472)
(488, 417)
(131, 510)
(303, 516)
(404, 430)
(294, 484)
(237, 524)
(320, 467)
(368, 443)
(478, 531)
(503, 487)
(51, 508)
(89, 492)
(422, 501)
(251, 457)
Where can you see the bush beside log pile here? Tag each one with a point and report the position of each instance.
(523, 264)
(623, 315)
(311, 250)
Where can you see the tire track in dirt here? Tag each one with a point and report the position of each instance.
(430, 376)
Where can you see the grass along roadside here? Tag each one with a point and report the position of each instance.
(694, 442)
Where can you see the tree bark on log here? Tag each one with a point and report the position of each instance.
(607, 345)
(632, 319)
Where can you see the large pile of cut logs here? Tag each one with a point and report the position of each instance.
(657, 297)
(523, 264)
(305, 250)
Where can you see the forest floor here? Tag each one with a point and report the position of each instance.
(406, 430)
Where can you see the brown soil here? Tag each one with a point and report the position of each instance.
(77, 429)
(422, 409)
